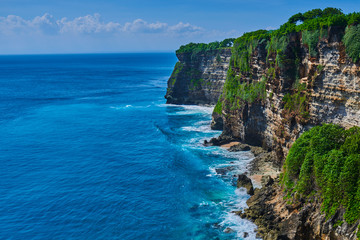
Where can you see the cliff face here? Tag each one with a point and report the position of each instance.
(274, 90)
(198, 77)
(304, 92)
(276, 219)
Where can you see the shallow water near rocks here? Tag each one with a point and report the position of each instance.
(89, 150)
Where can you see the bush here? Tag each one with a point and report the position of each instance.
(218, 106)
(352, 42)
(326, 157)
(198, 47)
(311, 39)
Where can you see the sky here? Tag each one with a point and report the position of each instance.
(111, 26)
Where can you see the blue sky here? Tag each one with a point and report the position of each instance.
(79, 26)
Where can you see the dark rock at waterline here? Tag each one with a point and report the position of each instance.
(217, 121)
(220, 140)
(239, 147)
(216, 225)
(245, 235)
(228, 230)
(223, 171)
(245, 182)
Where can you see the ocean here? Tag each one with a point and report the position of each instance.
(90, 150)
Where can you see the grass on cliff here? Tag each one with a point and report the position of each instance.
(282, 56)
(352, 42)
(177, 69)
(218, 107)
(326, 159)
(199, 47)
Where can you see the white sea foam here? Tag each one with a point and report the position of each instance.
(128, 107)
(240, 226)
(188, 109)
(202, 129)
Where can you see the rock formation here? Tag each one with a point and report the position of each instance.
(198, 77)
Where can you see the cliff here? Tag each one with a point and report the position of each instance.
(198, 77)
(278, 85)
(321, 89)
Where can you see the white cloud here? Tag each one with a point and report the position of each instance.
(185, 27)
(47, 34)
(89, 24)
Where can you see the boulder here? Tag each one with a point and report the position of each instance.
(245, 182)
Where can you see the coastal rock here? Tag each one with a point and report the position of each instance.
(239, 147)
(217, 122)
(198, 78)
(266, 181)
(331, 88)
(225, 170)
(245, 182)
(330, 93)
(277, 219)
(228, 230)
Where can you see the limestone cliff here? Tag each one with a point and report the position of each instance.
(198, 77)
(329, 93)
(279, 84)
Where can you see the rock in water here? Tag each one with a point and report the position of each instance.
(245, 182)
(228, 230)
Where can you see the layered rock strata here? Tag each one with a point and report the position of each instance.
(198, 77)
(331, 94)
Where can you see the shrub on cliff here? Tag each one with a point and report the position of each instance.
(352, 42)
(326, 158)
(198, 47)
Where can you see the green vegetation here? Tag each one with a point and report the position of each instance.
(218, 107)
(243, 48)
(196, 82)
(319, 68)
(218, 58)
(297, 101)
(277, 45)
(326, 159)
(237, 92)
(311, 39)
(177, 69)
(352, 42)
(198, 47)
(282, 55)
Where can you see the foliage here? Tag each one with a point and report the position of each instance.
(218, 107)
(237, 91)
(199, 47)
(218, 58)
(277, 44)
(196, 82)
(282, 54)
(326, 157)
(177, 69)
(244, 46)
(319, 68)
(311, 39)
(297, 101)
(352, 42)
(353, 18)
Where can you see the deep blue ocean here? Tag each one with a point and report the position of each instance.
(90, 150)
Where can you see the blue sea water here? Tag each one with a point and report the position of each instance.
(90, 150)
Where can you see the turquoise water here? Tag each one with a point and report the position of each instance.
(90, 150)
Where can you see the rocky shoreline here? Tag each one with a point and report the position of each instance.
(276, 217)
(268, 91)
